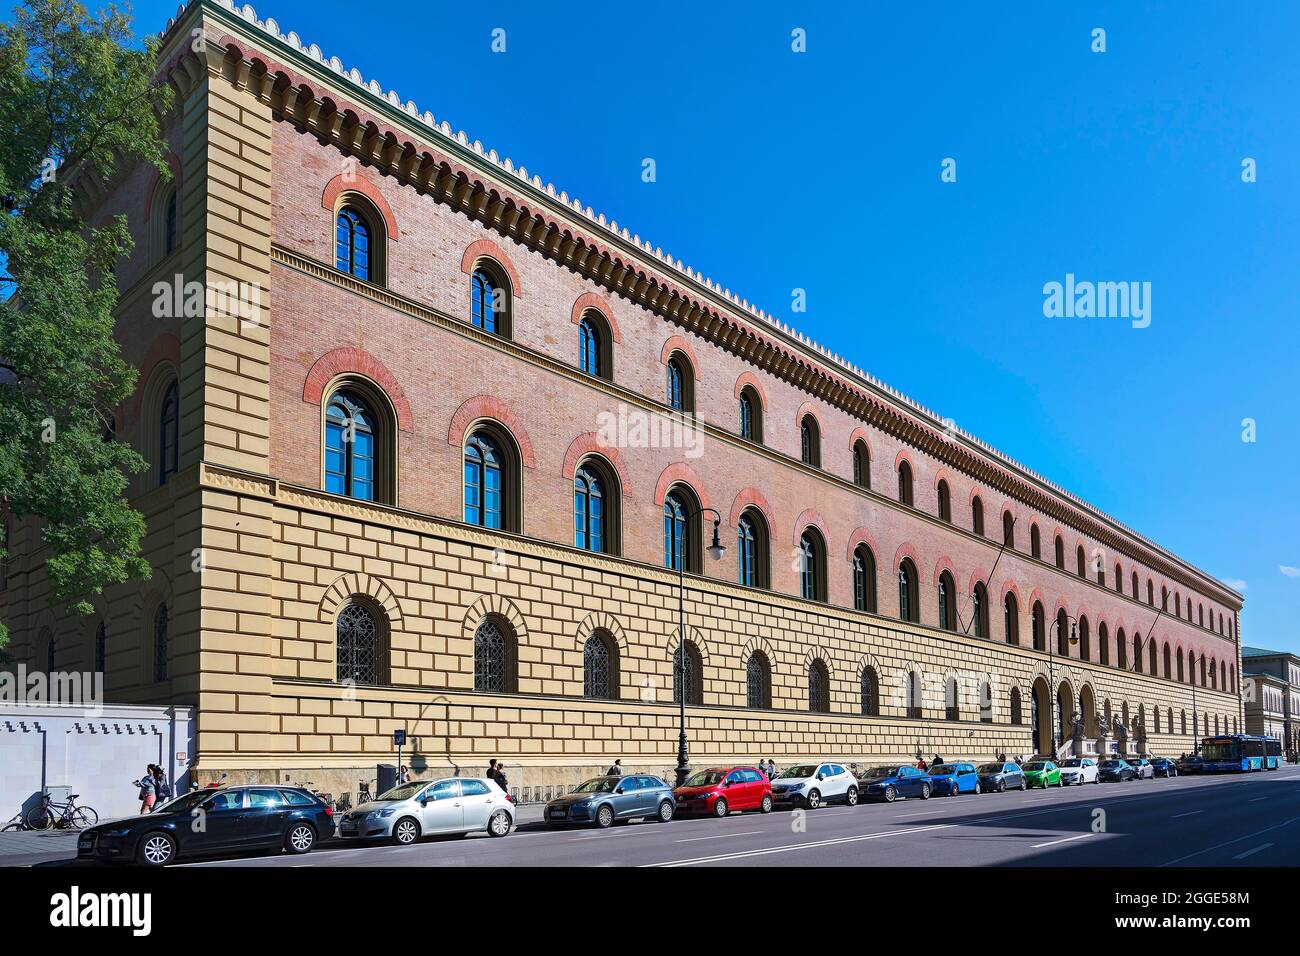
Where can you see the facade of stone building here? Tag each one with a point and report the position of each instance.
(427, 450)
(1271, 695)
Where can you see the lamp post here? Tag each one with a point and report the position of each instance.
(1051, 670)
(716, 551)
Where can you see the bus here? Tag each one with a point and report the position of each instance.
(1238, 753)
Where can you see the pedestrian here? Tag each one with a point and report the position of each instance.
(616, 770)
(1002, 756)
(403, 775)
(492, 769)
(771, 769)
(162, 789)
(920, 764)
(936, 760)
(501, 780)
(148, 790)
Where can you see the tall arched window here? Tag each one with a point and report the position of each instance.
(680, 384)
(489, 302)
(101, 648)
(161, 624)
(1151, 654)
(1037, 626)
(171, 237)
(812, 566)
(680, 521)
(1168, 661)
(947, 603)
(1011, 618)
(864, 579)
(494, 658)
(819, 688)
(1085, 644)
(352, 253)
(1119, 578)
(810, 442)
(591, 348)
(688, 672)
(1179, 658)
(980, 610)
(1008, 530)
(905, 483)
(1081, 562)
(861, 464)
(1103, 645)
(986, 703)
(1121, 650)
(752, 549)
(600, 667)
(351, 446)
(758, 681)
(1134, 579)
(1035, 542)
(358, 645)
(977, 516)
(1060, 553)
(1151, 593)
(1017, 714)
(870, 691)
(915, 701)
(951, 700)
(169, 419)
(908, 604)
(486, 474)
(1062, 633)
(945, 502)
(746, 416)
(1137, 652)
(594, 509)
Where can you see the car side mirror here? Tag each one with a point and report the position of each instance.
(423, 800)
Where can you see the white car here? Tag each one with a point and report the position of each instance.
(424, 808)
(1079, 770)
(812, 785)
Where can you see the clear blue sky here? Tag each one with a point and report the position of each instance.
(821, 171)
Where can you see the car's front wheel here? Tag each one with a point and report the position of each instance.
(499, 824)
(605, 817)
(720, 808)
(405, 831)
(814, 799)
(300, 838)
(157, 849)
(766, 805)
(890, 794)
(665, 812)
(925, 791)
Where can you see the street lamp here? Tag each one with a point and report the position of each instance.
(1051, 670)
(716, 551)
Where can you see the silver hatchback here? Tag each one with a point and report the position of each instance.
(448, 806)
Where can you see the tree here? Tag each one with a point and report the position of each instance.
(80, 98)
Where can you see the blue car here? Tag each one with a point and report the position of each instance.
(891, 782)
(951, 779)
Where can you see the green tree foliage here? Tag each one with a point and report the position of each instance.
(79, 97)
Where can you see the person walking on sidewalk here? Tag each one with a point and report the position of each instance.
(616, 770)
(162, 789)
(148, 790)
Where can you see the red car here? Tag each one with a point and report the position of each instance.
(720, 790)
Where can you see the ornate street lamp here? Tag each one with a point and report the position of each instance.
(716, 550)
(1051, 670)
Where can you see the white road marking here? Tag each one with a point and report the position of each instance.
(798, 846)
(1242, 856)
(1081, 836)
(1219, 846)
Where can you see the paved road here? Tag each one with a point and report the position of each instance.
(1228, 821)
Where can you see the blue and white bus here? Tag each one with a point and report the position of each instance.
(1239, 753)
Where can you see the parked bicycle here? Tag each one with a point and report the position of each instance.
(60, 816)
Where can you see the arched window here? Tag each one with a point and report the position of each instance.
(352, 436)
(1169, 662)
(1137, 652)
(1151, 593)
(1119, 579)
(494, 658)
(980, 610)
(870, 690)
(1183, 716)
(861, 464)
(688, 671)
(951, 700)
(600, 667)
(810, 442)
(986, 702)
(1085, 643)
(1179, 658)
(905, 483)
(1121, 650)
(680, 384)
(1035, 542)
(1081, 562)
(169, 419)
(915, 702)
(1134, 579)
(1036, 627)
(748, 414)
(864, 579)
(1011, 619)
(947, 603)
(1151, 655)
(101, 648)
(1178, 604)
(161, 624)
(591, 347)
(1062, 633)
(1214, 675)
(1060, 553)
(681, 538)
(752, 549)
(758, 681)
(1008, 530)
(489, 482)
(358, 645)
(171, 232)
(908, 605)
(812, 566)
(352, 252)
(1017, 716)
(819, 688)
(945, 502)
(1103, 644)
(489, 302)
(977, 516)
(595, 508)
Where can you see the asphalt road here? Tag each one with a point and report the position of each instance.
(1222, 821)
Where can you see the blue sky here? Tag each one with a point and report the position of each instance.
(821, 170)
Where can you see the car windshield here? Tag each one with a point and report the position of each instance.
(706, 778)
(882, 772)
(1110, 764)
(187, 802)
(405, 792)
(991, 768)
(940, 769)
(1036, 765)
(599, 785)
(1076, 762)
(807, 770)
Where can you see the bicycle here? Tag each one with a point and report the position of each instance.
(15, 825)
(60, 816)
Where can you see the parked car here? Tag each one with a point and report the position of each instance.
(1079, 770)
(603, 801)
(1001, 775)
(811, 785)
(452, 805)
(719, 791)
(892, 781)
(951, 779)
(1043, 773)
(1115, 771)
(1192, 763)
(234, 818)
(1164, 767)
(1142, 768)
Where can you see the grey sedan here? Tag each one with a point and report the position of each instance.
(603, 800)
(453, 805)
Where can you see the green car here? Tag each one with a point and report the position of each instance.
(1042, 773)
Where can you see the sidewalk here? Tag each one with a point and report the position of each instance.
(28, 847)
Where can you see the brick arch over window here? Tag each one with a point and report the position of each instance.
(860, 435)
(680, 473)
(807, 408)
(696, 637)
(750, 498)
(156, 180)
(355, 361)
(1010, 587)
(861, 536)
(164, 348)
(941, 475)
(354, 584)
(678, 343)
(487, 249)
(906, 550)
(810, 516)
(589, 300)
(943, 564)
(822, 653)
(599, 621)
(357, 183)
(489, 406)
(589, 444)
(761, 646)
(494, 605)
(903, 456)
(976, 577)
(751, 380)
